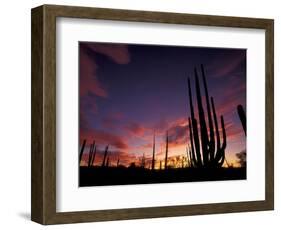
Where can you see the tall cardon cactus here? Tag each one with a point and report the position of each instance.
(206, 148)
(81, 151)
(94, 155)
(167, 149)
(91, 154)
(104, 156)
(153, 153)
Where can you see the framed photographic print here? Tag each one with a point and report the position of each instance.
(141, 114)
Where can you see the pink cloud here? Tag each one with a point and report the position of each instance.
(135, 129)
(89, 82)
(228, 66)
(229, 105)
(90, 85)
(178, 135)
(233, 131)
(161, 126)
(148, 145)
(104, 138)
(112, 121)
(119, 53)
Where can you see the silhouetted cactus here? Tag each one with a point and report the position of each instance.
(153, 154)
(91, 151)
(189, 157)
(182, 162)
(94, 156)
(107, 162)
(104, 156)
(142, 164)
(242, 117)
(81, 151)
(167, 148)
(118, 161)
(195, 160)
(90, 155)
(204, 151)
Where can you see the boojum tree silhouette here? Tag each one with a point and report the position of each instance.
(206, 149)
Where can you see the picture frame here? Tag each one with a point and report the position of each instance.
(44, 91)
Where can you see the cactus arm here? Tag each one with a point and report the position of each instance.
(107, 162)
(153, 153)
(220, 153)
(220, 156)
(197, 143)
(203, 128)
(194, 128)
(194, 160)
(81, 151)
(94, 155)
(190, 159)
(190, 100)
(221, 161)
(104, 156)
(167, 147)
(188, 154)
(90, 155)
(210, 120)
(223, 133)
(216, 124)
(217, 155)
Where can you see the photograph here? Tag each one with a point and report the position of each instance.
(161, 114)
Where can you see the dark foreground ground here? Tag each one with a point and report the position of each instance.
(97, 176)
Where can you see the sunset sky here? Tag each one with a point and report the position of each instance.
(128, 92)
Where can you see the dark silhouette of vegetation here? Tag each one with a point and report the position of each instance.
(132, 165)
(189, 157)
(98, 176)
(107, 162)
(242, 156)
(153, 154)
(241, 159)
(94, 156)
(104, 156)
(242, 117)
(167, 149)
(81, 151)
(206, 150)
(142, 165)
(91, 153)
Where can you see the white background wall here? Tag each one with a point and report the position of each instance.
(15, 113)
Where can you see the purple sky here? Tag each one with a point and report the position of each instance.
(129, 91)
